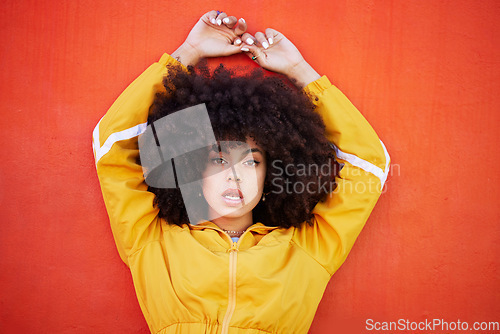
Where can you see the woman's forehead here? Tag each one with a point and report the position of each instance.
(239, 146)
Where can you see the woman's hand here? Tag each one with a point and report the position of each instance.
(214, 35)
(274, 52)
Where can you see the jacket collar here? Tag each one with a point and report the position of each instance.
(250, 237)
(257, 227)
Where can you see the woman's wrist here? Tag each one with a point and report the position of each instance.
(186, 54)
(302, 74)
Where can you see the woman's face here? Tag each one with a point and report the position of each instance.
(233, 180)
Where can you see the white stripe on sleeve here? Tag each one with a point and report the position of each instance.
(365, 165)
(100, 151)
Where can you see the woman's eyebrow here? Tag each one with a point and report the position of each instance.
(215, 149)
(252, 150)
(218, 149)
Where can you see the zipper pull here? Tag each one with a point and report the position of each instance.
(234, 247)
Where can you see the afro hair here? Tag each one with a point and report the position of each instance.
(279, 117)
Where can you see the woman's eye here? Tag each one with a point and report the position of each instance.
(252, 163)
(218, 161)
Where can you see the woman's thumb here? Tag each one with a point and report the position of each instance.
(254, 53)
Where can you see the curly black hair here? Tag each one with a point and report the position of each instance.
(279, 117)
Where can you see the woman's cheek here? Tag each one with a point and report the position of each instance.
(256, 185)
(211, 184)
(251, 193)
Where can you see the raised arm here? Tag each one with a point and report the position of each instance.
(364, 159)
(130, 207)
(365, 165)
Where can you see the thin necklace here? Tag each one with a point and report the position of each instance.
(234, 233)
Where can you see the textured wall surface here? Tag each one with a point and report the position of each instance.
(424, 73)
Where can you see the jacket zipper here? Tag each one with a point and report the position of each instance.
(233, 255)
(231, 305)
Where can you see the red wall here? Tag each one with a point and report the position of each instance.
(424, 73)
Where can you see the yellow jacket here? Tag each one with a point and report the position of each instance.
(194, 279)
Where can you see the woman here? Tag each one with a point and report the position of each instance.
(189, 275)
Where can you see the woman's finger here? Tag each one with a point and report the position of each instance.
(241, 27)
(248, 39)
(261, 39)
(237, 41)
(254, 52)
(272, 36)
(220, 17)
(230, 21)
(211, 16)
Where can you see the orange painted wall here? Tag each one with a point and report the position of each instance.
(424, 73)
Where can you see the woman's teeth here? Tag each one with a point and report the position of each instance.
(232, 197)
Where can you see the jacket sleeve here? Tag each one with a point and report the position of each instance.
(365, 163)
(130, 207)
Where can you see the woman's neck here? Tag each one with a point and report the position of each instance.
(234, 224)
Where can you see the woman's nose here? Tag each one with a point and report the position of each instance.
(233, 175)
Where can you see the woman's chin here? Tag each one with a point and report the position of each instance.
(228, 211)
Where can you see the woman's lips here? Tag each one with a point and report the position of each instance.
(232, 197)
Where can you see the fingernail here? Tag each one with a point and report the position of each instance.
(226, 20)
(245, 49)
(237, 42)
(265, 45)
(219, 22)
(249, 41)
(213, 21)
(270, 40)
(242, 20)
